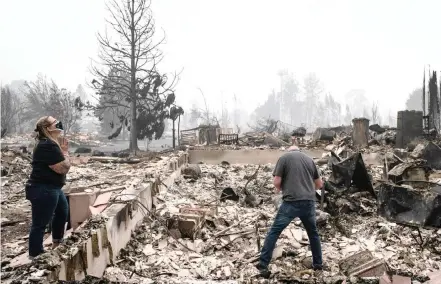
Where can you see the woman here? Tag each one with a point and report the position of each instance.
(50, 164)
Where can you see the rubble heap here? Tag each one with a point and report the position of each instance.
(86, 175)
(202, 231)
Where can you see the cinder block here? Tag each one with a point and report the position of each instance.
(363, 264)
(190, 225)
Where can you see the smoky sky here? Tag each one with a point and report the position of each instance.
(237, 47)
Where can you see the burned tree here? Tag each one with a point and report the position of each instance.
(267, 125)
(112, 109)
(434, 104)
(44, 97)
(313, 88)
(10, 106)
(203, 116)
(175, 113)
(375, 117)
(127, 76)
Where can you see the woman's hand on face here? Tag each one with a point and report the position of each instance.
(64, 144)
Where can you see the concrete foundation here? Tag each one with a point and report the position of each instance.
(104, 244)
(409, 127)
(242, 156)
(360, 135)
(79, 204)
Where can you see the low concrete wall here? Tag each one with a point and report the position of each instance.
(242, 156)
(105, 242)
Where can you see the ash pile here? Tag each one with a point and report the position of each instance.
(211, 223)
(396, 195)
(104, 177)
(15, 170)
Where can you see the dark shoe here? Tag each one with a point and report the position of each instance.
(307, 263)
(318, 273)
(264, 272)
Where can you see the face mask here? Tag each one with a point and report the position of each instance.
(59, 125)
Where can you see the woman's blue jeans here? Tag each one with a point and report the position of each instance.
(303, 209)
(48, 204)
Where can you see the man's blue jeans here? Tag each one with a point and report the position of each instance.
(48, 203)
(303, 209)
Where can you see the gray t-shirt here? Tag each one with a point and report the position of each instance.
(298, 172)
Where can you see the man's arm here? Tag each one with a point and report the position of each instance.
(278, 183)
(279, 173)
(318, 181)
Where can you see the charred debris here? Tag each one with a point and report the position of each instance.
(378, 214)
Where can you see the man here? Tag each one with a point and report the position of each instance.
(297, 177)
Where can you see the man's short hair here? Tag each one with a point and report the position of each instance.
(293, 148)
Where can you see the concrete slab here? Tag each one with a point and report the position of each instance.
(105, 243)
(435, 277)
(242, 156)
(397, 279)
(79, 207)
(23, 258)
(20, 260)
(102, 199)
(95, 210)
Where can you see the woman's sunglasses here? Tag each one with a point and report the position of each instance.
(58, 125)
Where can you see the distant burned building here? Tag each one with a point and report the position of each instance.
(203, 135)
(409, 127)
(431, 114)
(299, 132)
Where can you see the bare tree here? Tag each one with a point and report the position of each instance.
(225, 116)
(268, 125)
(70, 109)
(313, 89)
(44, 97)
(348, 116)
(236, 114)
(10, 108)
(391, 120)
(175, 113)
(374, 113)
(130, 63)
(205, 113)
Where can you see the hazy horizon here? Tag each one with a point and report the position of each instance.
(228, 48)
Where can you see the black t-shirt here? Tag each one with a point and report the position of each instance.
(46, 154)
